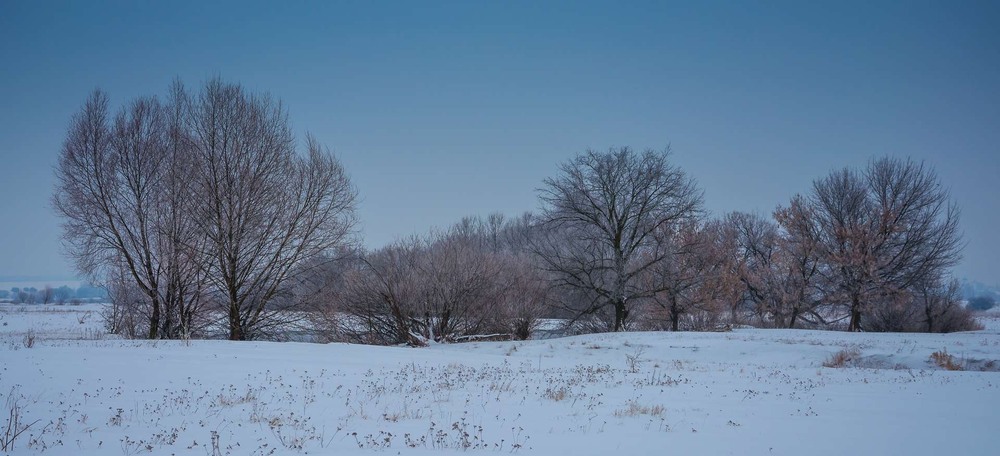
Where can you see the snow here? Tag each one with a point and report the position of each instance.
(743, 392)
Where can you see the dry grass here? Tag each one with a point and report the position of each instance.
(842, 358)
(556, 394)
(29, 339)
(635, 409)
(946, 361)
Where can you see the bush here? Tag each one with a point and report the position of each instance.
(932, 307)
(29, 339)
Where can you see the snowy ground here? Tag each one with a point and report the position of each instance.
(743, 392)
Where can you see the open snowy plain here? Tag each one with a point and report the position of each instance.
(75, 391)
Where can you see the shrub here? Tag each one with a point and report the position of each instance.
(29, 339)
(933, 308)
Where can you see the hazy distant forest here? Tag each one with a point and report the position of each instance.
(204, 216)
(53, 295)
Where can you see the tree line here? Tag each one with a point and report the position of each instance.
(53, 295)
(201, 215)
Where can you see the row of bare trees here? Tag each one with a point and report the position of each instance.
(197, 211)
(197, 208)
(867, 249)
(622, 243)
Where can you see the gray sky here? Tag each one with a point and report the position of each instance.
(442, 110)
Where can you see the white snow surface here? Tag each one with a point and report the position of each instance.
(745, 392)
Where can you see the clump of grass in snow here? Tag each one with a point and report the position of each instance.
(556, 394)
(634, 408)
(29, 339)
(842, 358)
(946, 361)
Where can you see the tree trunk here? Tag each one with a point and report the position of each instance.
(675, 318)
(169, 331)
(442, 330)
(620, 315)
(235, 325)
(154, 320)
(186, 320)
(795, 316)
(855, 324)
(236, 331)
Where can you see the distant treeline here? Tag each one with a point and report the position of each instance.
(53, 295)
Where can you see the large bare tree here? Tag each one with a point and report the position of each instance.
(600, 216)
(196, 198)
(883, 231)
(264, 208)
(119, 191)
(181, 242)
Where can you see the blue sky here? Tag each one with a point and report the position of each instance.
(445, 109)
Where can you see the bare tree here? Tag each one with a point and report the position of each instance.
(756, 254)
(264, 208)
(779, 264)
(460, 289)
(679, 280)
(799, 263)
(63, 294)
(600, 215)
(109, 182)
(940, 307)
(198, 197)
(723, 289)
(882, 232)
(382, 295)
(46, 294)
(466, 283)
(25, 297)
(524, 296)
(180, 240)
(518, 233)
(931, 306)
(124, 193)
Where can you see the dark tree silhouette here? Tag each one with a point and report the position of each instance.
(600, 216)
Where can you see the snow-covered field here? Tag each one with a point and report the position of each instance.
(744, 392)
